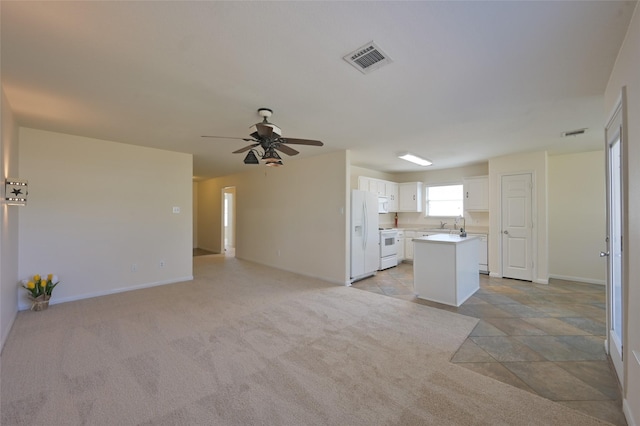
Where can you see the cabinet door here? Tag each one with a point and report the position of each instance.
(391, 192)
(400, 246)
(476, 193)
(363, 183)
(408, 245)
(410, 195)
(378, 186)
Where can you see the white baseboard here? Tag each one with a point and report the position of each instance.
(24, 306)
(209, 249)
(626, 410)
(8, 328)
(578, 279)
(495, 275)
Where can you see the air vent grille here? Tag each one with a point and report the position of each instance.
(367, 58)
(574, 132)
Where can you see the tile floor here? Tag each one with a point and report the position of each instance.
(545, 339)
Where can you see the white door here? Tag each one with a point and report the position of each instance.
(228, 221)
(517, 227)
(615, 296)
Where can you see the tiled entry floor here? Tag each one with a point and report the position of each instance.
(546, 339)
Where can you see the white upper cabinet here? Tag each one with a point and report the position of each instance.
(371, 185)
(476, 193)
(381, 188)
(391, 192)
(410, 197)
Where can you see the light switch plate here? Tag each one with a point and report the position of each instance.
(176, 209)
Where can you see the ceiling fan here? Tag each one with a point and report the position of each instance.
(266, 139)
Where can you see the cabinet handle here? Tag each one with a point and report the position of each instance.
(467, 194)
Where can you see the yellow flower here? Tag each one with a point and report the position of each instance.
(36, 277)
(43, 284)
(49, 277)
(31, 285)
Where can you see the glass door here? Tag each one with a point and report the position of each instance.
(615, 231)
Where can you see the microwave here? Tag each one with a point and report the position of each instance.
(383, 205)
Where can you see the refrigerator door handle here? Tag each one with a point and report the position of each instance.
(365, 231)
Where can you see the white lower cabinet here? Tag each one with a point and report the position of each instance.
(408, 244)
(400, 245)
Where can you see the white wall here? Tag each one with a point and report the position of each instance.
(535, 163)
(96, 208)
(626, 72)
(577, 217)
(9, 219)
(292, 217)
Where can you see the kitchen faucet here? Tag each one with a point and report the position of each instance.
(442, 224)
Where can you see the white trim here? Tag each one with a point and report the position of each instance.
(579, 279)
(626, 410)
(495, 275)
(214, 251)
(541, 281)
(23, 307)
(13, 320)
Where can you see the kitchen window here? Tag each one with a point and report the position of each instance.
(444, 200)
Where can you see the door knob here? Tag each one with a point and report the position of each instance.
(506, 232)
(603, 254)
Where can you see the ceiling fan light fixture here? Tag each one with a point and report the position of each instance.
(271, 157)
(415, 159)
(251, 158)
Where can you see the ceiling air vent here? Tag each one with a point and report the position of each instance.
(367, 58)
(576, 132)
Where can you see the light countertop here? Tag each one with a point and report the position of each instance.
(444, 239)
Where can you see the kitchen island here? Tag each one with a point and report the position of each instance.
(445, 268)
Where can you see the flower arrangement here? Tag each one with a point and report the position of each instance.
(40, 290)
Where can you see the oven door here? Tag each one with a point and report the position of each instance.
(388, 244)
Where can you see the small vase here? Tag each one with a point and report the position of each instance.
(40, 303)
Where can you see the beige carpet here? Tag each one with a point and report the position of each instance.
(247, 345)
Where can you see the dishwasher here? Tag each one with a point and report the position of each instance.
(483, 258)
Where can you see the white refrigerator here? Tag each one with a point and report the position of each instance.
(365, 240)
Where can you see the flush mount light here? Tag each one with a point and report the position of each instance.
(415, 159)
(15, 192)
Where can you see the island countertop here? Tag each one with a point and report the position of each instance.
(444, 239)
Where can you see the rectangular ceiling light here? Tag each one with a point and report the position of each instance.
(415, 159)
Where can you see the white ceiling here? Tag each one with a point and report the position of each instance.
(468, 81)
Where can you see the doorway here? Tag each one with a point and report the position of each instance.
(517, 226)
(229, 220)
(615, 230)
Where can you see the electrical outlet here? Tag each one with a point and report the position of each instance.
(134, 267)
(162, 263)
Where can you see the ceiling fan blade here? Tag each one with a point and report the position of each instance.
(229, 137)
(246, 148)
(264, 131)
(301, 141)
(286, 149)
